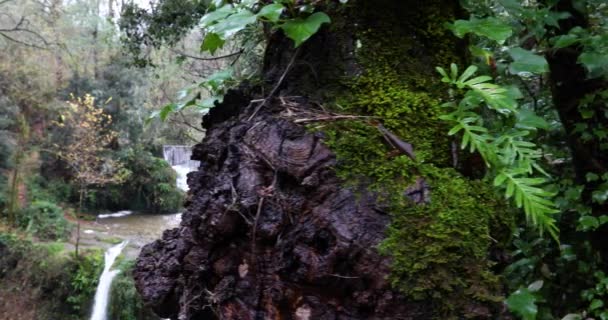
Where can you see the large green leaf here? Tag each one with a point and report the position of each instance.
(166, 110)
(214, 16)
(491, 28)
(272, 12)
(234, 23)
(527, 119)
(215, 81)
(299, 30)
(523, 303)
(527, 61)
(212, 42)
(596, 63)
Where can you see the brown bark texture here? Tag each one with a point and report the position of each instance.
(270, 232)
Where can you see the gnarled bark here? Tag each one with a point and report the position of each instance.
(270, 232)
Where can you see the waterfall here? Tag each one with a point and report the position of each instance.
(102, 295)
(179, 159)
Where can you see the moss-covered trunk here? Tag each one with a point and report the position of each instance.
(289, 221)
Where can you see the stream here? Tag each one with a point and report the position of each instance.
(126, 232)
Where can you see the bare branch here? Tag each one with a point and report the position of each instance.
(206, 58)
(22, 27)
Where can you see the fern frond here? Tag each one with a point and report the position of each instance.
(495, 96)
(509, 151)
(528, 194)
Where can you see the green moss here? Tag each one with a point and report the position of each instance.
(439, 249)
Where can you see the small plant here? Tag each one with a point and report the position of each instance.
(45, 220)
(85, 278)
(512, 160)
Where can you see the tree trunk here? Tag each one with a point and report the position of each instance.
(273, 228)
(570, 87)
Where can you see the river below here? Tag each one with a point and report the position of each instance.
(137, 228)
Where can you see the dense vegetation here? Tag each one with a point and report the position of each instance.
(518, 96)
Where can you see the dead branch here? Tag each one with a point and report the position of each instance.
(332, 118)
(276, 87)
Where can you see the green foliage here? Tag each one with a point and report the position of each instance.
(216, 85)
(226, 19)
(527, 61)
(523, 303)
(84, 279)
(439, 249)
(167, 22)
(489, 27)
(45, 220)
(300, 30)
(148, 184)
(597, 298)
(511, 158)
(125, 303)
(61, 285)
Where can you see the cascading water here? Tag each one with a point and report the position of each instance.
(102, 295)
(179, 159)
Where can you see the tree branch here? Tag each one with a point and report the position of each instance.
(206, 58)
(21, 27)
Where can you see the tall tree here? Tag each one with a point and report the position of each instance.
(89, 138)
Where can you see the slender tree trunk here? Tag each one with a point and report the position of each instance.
(16, 177)
(81, 197)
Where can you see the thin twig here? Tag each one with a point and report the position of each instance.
(276, 87)
(332, 118)
(263, 196)
(343, 277)
(207, 58)
(188, 123)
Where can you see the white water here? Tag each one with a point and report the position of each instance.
(115, 214)
(102, 295)
(179, 159)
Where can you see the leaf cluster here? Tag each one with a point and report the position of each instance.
(511, 158)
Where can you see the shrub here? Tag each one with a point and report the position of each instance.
(45, 220)
(149, 184)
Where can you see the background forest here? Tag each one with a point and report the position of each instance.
(91, 90)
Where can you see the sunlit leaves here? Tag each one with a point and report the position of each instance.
(228, 19)
(272, 12)
(212, 43)
(87, 125)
